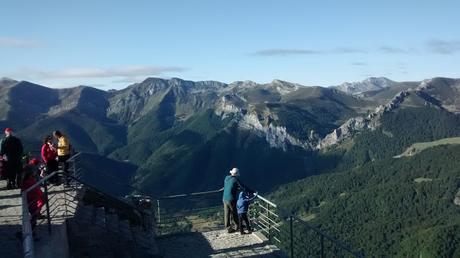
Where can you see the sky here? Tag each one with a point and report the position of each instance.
(111, 44)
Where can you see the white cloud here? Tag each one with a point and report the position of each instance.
(285, 52)
(444, 47)
(86, 72)
(8, 42)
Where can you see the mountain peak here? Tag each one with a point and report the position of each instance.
(7, 81)
(369, 84)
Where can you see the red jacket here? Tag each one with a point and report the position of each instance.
(48, 153)
(35, 198)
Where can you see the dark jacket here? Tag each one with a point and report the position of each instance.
(242, 205)
(231, 187)
(12, 148)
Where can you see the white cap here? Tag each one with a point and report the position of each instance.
(234, 172)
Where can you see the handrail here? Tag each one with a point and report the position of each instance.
(27, 241)
(341, 244)
(267, 201)
(106, 195)
(39, 182)
(190, 194)
(115, 179)
(275, 218)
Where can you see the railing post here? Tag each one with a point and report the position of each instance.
(27, 239)
(47, 207)
(159, 216)
(269, 222)
(291, 231)
(322, 246)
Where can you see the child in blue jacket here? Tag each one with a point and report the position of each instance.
(242, 206)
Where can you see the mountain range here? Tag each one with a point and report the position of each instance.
(326, 153)
(175, 130)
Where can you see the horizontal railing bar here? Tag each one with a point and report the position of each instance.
(267, 201)
(264, 224)
(269, 219)
(270, 225)
(279, 241)
(268, 210)
(335, 241)
(39, 183)
(190, 194)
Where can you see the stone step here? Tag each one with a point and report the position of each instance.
(84, 213)
(112, 222)
(99, 216)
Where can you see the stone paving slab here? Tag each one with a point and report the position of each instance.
(216, 244)
(54, 245)
(10, 221)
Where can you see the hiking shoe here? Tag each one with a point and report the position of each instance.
(231, 230)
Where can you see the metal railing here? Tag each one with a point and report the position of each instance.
(31, 215)
(75, 198)
(294, 236)
(200, 211)
(203, 211)
(135, 218)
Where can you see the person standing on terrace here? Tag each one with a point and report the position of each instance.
(63, 152)
(232, 185)
(11, 150)
(49, 155)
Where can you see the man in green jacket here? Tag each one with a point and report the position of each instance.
(231, 187)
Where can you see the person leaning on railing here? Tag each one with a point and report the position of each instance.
(35, 197)
(231, 187)
(242, 205)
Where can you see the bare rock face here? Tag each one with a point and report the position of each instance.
(370, 84)
(258, 123)
(457, 198)
(357, 124)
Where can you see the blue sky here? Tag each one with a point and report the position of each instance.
(110, 44)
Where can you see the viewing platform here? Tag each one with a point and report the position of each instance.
(81, 220)
(217, 243)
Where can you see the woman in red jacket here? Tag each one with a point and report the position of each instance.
(49, 155)
(35, 197)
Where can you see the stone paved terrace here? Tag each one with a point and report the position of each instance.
(217, 243)
(11, 223)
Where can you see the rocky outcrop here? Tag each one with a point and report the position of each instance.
(276, 136)
(259, 124)
(457, 198)
(357, 124)
(370, 84)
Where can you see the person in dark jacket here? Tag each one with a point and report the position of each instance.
(231, 187)
(242, 205)
(2, 169)
(11, 150)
